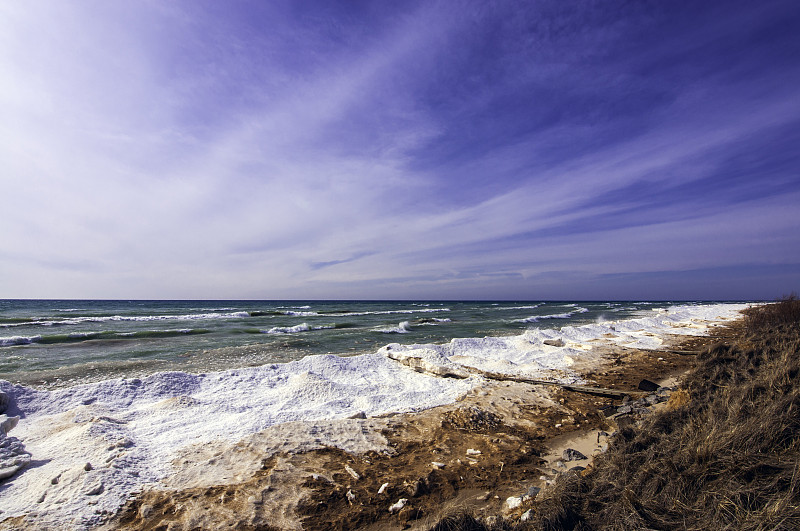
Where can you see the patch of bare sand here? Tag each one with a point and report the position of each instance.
(472, 455)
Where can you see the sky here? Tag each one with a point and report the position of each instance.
(296, 149)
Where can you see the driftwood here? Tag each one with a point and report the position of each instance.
(420, 364)
(587, 389)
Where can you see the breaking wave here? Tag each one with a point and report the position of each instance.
(567, 315)
(77, 337)
(402, 328)
(303, 327)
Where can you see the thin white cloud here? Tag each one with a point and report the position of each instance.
(122, 178)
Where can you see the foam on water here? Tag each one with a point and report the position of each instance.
(402, 328)
(123, 318)
(131, 430)
(302, 327)
(566, 315)
(18, 340)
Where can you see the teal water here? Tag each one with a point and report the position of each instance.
(58, 343)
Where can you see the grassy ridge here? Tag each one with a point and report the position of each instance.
(726, 458)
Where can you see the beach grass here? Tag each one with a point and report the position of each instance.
(725, 456)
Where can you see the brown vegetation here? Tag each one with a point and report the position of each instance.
(724, 456)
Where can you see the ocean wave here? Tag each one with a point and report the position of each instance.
(402, 328)
(18, 340)
(15, 321)
(124, 318)
(303, 327)
(432, 321)
(76, 337)
(504, 308)
(566, 315)
(390, 312)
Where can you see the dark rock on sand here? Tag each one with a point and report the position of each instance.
(608, 410)
(571, 454)
(648, 386)
(4, 400)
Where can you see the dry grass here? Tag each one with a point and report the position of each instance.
(726, 457)
(785, 311)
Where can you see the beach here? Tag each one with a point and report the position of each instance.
(310, 443)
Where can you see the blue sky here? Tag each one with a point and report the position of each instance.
(501, 150)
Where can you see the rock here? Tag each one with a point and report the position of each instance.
(608, 410)
(4, 401)
(350, 496)
(513, 502)
(7, 424)
(624, 410)
(533, 491)
(527, 515)
(577, 468)
(383, 488)
(437, 465)
(571, 454)
(652, 400)
(87, 467)
(554, 342)
(399, 505)
(359, 415)
(472, 451)
(648, 386)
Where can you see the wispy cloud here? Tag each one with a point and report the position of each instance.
(449, 149)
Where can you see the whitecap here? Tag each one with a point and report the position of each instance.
(18, 340)
(303, 327)
(402, 328)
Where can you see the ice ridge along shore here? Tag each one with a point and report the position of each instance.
(92, 446)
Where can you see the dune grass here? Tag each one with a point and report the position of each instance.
(727, 456)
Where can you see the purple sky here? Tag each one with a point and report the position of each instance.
(459, 150)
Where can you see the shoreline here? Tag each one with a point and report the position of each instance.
(472, 455)
(295, 475)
